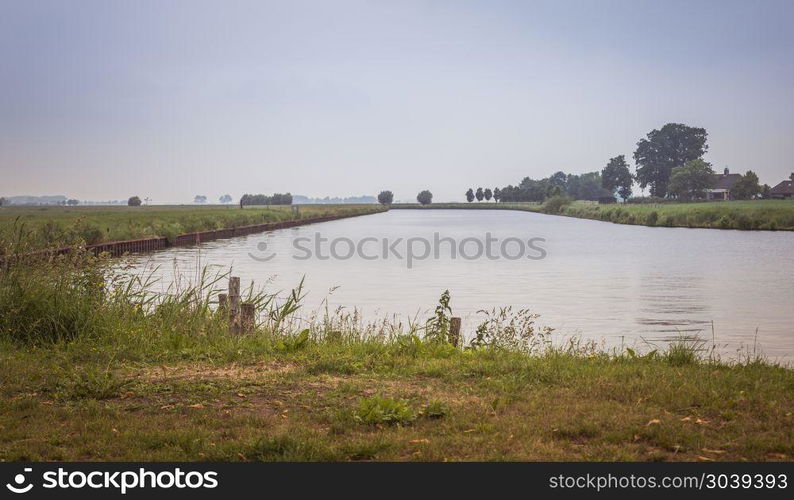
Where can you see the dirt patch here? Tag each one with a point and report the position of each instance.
(203, 372)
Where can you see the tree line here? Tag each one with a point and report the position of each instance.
(261, 199)
(669, 161)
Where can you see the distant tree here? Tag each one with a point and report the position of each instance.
(2, 201)
(470, 195)
(765, 191)
(672, 146)
(134, 201)
(479, 194)
(617, 178)
(747, 187)
(200, 198)
(691, 180)
(385, 197)
(497, 195)
(227, 198)
(488, 194)
(72, 202)
(558, 179)
(425, 197)
(261, 199)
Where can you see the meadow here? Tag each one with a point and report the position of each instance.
(36, 227)
(746, 215)
(96, 366)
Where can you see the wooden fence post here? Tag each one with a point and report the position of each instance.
(223, 302)
(234, 304)
(247, 316)
(454, 331)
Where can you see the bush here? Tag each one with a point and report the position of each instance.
(652, 218)
(555, 204)
(50, 302)
(378, 410)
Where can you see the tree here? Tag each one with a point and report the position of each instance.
(200, 198)
(2, 201)
(72, 202)
(617, 178)
(665, 149)
(488, 194)
(558, 179)
(691, 180)
(479, 194)
(497, 195)
(764, 191)
(425, 197)
(385, 197)
(470, 195)
(747, 187)
(227, 198)
(134, 201)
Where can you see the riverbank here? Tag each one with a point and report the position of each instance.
(25, 229)
(745, 215)
(98, 368)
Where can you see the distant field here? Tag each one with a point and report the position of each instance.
(31, 228)
(757, 214)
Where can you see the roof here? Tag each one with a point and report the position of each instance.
(785, 187)
(726, 181)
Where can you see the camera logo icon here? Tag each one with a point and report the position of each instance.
(19, 481)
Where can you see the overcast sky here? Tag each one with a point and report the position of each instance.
(107, 99)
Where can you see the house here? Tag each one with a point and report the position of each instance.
(723, 183)
(784, 190)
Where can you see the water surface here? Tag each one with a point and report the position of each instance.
(617, 284)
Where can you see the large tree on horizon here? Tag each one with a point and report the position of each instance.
(665, 149)
(425, 197)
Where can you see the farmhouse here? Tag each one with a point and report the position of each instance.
(723, 183)
(784, 190)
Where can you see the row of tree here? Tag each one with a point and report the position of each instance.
(261, 199)
(483, 194)
(586, 186)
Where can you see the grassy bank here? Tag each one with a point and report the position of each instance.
(33, 228)
(114, 372)
(747, 215)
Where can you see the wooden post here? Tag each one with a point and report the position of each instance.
(223, 302)
(454, 331)
(234, 304)
(247, 313)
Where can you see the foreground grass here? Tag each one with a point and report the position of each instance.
(747, 215)
(96, 367)
(32, 228)
(367, 401)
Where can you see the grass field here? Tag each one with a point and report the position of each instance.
(33, 228)
(748, 215)
(95, 371)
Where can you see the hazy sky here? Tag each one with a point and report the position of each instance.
(103, 100)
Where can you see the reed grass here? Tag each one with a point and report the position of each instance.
(98, 366)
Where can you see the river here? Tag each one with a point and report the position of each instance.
(616, 284)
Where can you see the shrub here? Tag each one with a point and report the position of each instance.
(652, 218)
(379, 410)
(555, 204)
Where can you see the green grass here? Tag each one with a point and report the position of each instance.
(32, 228)
(746, 215)
(124, 374)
